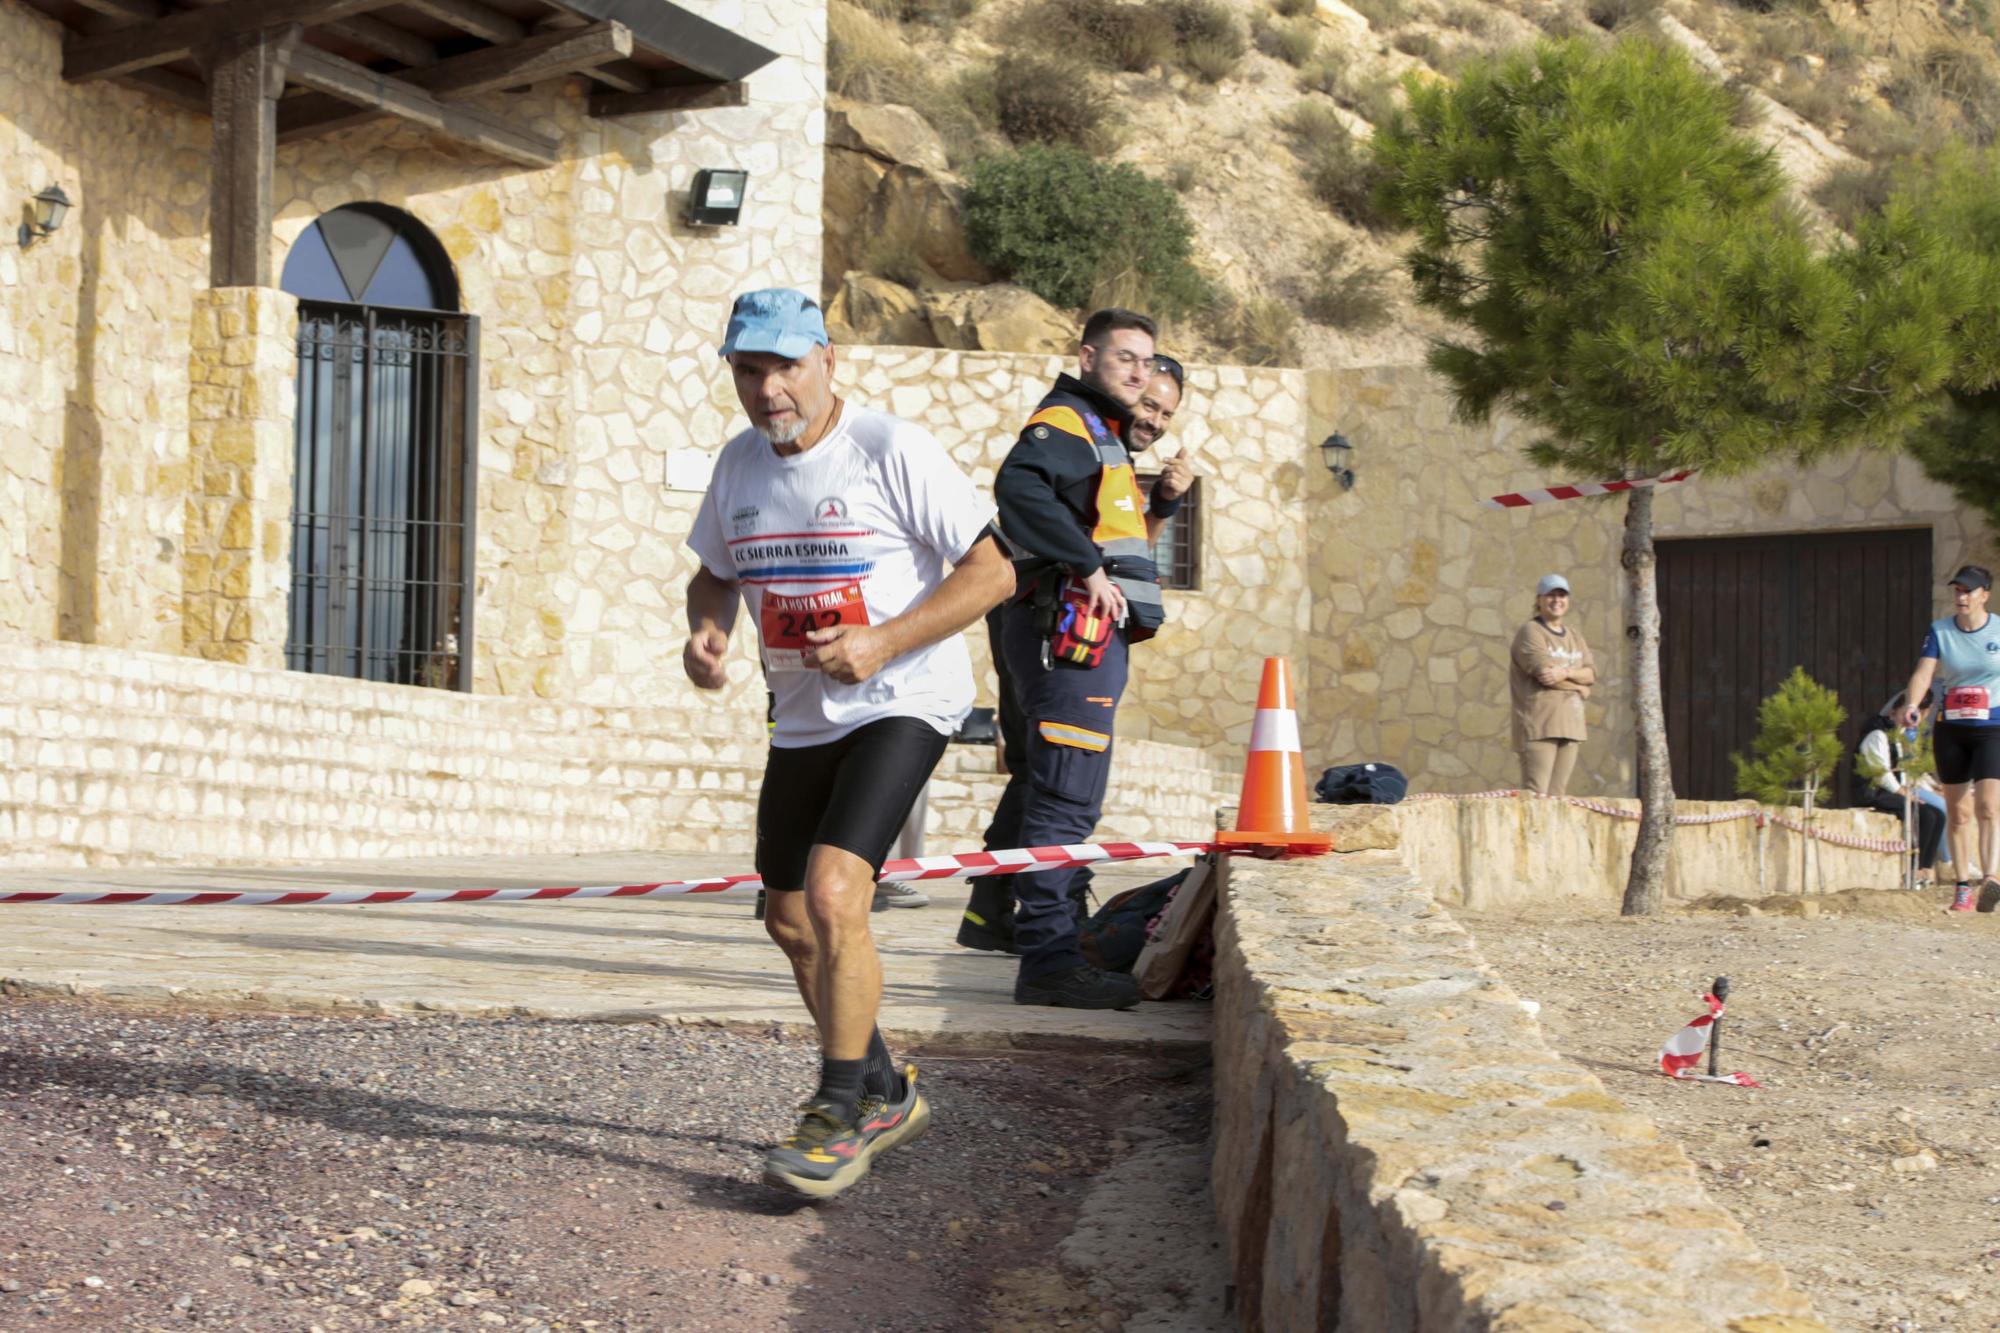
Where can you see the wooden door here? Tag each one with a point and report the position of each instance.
(1738, 613)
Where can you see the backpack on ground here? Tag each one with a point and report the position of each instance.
(1362, 784)
(1113, 936)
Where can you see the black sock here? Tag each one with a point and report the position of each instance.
(879, 1075)
(840, 1083)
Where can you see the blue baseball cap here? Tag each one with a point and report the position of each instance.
(777, 320)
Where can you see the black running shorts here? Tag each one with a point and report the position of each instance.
(853, 793)
(1966, 753)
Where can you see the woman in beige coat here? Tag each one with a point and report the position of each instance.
(1551, 677)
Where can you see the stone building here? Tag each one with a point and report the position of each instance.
(356, 415)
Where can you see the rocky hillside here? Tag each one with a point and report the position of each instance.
(1255, 113)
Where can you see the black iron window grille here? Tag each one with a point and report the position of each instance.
(383, 495)
(1177, 546)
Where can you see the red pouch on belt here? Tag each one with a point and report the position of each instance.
(1079, 636)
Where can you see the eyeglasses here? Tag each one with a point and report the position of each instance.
(1166, 365)
(1126, 360)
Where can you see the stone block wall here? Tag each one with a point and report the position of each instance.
(109, 757)
(1417, 591)
(1525, 853)
(237, 535)
(1397, 1150)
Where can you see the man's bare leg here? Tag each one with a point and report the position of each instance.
(840, 891)
(788, 924)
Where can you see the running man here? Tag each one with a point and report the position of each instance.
(860, 551)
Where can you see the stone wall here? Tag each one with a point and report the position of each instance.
(110, 757)
(1396, 1148)
(1417, 591)
(1524, 852)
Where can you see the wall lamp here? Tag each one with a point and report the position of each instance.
(1338, 455)
(51, 206)
(716, 200)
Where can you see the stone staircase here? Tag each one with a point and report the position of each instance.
(118, 758)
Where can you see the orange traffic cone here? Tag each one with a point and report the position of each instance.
(1271, 815)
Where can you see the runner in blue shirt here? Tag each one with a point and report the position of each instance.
(1962, 652)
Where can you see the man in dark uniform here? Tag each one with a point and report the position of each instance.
(1070, 506)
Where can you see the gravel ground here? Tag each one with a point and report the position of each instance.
(1867, 1164)
(270, 1172)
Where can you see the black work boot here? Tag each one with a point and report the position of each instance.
(1081, 987)
(989, 919)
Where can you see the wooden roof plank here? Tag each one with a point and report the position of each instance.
(387, 39)
(709, 50)
(177, 36)
(473, 17)
(363, 87)
(670, 97)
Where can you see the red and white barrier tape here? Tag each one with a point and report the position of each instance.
(962, 866)
(1722, 817)
(1581, 490)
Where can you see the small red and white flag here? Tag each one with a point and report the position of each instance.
(1685, 1048)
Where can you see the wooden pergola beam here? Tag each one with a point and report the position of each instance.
(473, 17)
(540, 57)
(183, 92)
(180, 35)
(405, 48)
(365, 88)
(131, 11)
(670, 97)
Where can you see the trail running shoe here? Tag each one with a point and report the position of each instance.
(1961, 900)
(820, 1158)
(886, 1124)
(1989, 894)
(898, 894)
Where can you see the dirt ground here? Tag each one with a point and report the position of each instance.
(167, 1171)
(1867, 1164)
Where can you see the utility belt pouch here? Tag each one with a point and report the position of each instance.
(1079, 637)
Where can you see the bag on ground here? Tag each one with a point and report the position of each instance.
(1362, 784)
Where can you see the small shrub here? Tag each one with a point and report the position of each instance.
(1111, 33)
(1339, 171)
(1382, 15)
(939, 13)
(1469, 18)
(1293, 43)
(1209, 60)
(1617, 15)
(1182, 174)
(1376, 99)
(1425, 46)
(1309, 119)
(1879, 135)
(1256, 331)
(1358, 300)
(866, 58)
(1050, 101)
(1780, 37)
(1854, 191)
(1209, 42)
(1063, 225)
(1293, 9)
(1823, 100)
(1322, 75)
(1964, 78)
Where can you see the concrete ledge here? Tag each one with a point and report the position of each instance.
(1496, 854)
(1397, 1149)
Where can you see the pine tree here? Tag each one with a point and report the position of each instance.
(1797, 747)
(1629, 280)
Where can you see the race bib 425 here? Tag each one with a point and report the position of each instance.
(785, 622)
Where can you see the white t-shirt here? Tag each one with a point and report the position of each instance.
(857, 529)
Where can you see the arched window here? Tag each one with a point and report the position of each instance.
(384, 466)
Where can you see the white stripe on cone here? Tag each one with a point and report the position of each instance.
(1276, 729)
